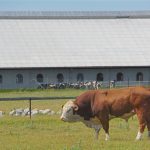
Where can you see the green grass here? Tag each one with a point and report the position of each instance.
(45, 132)
(40, 92)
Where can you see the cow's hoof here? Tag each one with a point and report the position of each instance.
(138, 139)
(139, 136)
(107, 139)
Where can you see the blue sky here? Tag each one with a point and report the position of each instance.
(81, 5)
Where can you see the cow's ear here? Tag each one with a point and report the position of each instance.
(75, 107)
(62, 106)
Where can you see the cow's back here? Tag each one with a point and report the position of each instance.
(115, 101)
(121, 101)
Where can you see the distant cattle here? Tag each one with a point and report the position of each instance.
(96, 107)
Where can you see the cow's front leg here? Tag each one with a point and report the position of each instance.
(127, 124)
(142, 124)
(97, 132)
(105, 125)
(107, 137)
(139, 136)
(95, 125)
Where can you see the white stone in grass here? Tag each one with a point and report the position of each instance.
(19, 112)
(34, 112)
(1, 113)
(59, 112)
(26, 111)
(41, 111)
(46, 111)
(13, 112)
(51, 113)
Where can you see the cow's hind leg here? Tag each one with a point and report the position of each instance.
(105, 125)
(142, 124)
(148, 127)
(148, 124)
(147, 116)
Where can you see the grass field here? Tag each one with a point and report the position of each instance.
(45, 132)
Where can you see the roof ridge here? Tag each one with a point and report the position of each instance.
(73, 14)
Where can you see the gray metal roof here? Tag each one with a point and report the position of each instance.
(73, 14)
(74, 42)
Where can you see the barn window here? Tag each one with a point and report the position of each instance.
(99, 77)
(39, 78)
(1, 79)
(80, 77)
(139, 76)
(19, 78)
(60, 77)
(119, 76)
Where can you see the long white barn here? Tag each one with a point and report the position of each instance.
(56, 47)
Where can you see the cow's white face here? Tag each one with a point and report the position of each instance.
(67, 112)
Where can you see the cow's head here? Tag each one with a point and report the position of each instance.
(68, 112)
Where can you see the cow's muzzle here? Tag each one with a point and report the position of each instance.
(62, 118)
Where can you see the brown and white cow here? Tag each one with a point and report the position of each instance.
(95, 108)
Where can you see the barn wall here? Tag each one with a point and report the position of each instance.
(70, 75)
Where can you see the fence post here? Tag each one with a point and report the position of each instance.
(30, 107)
